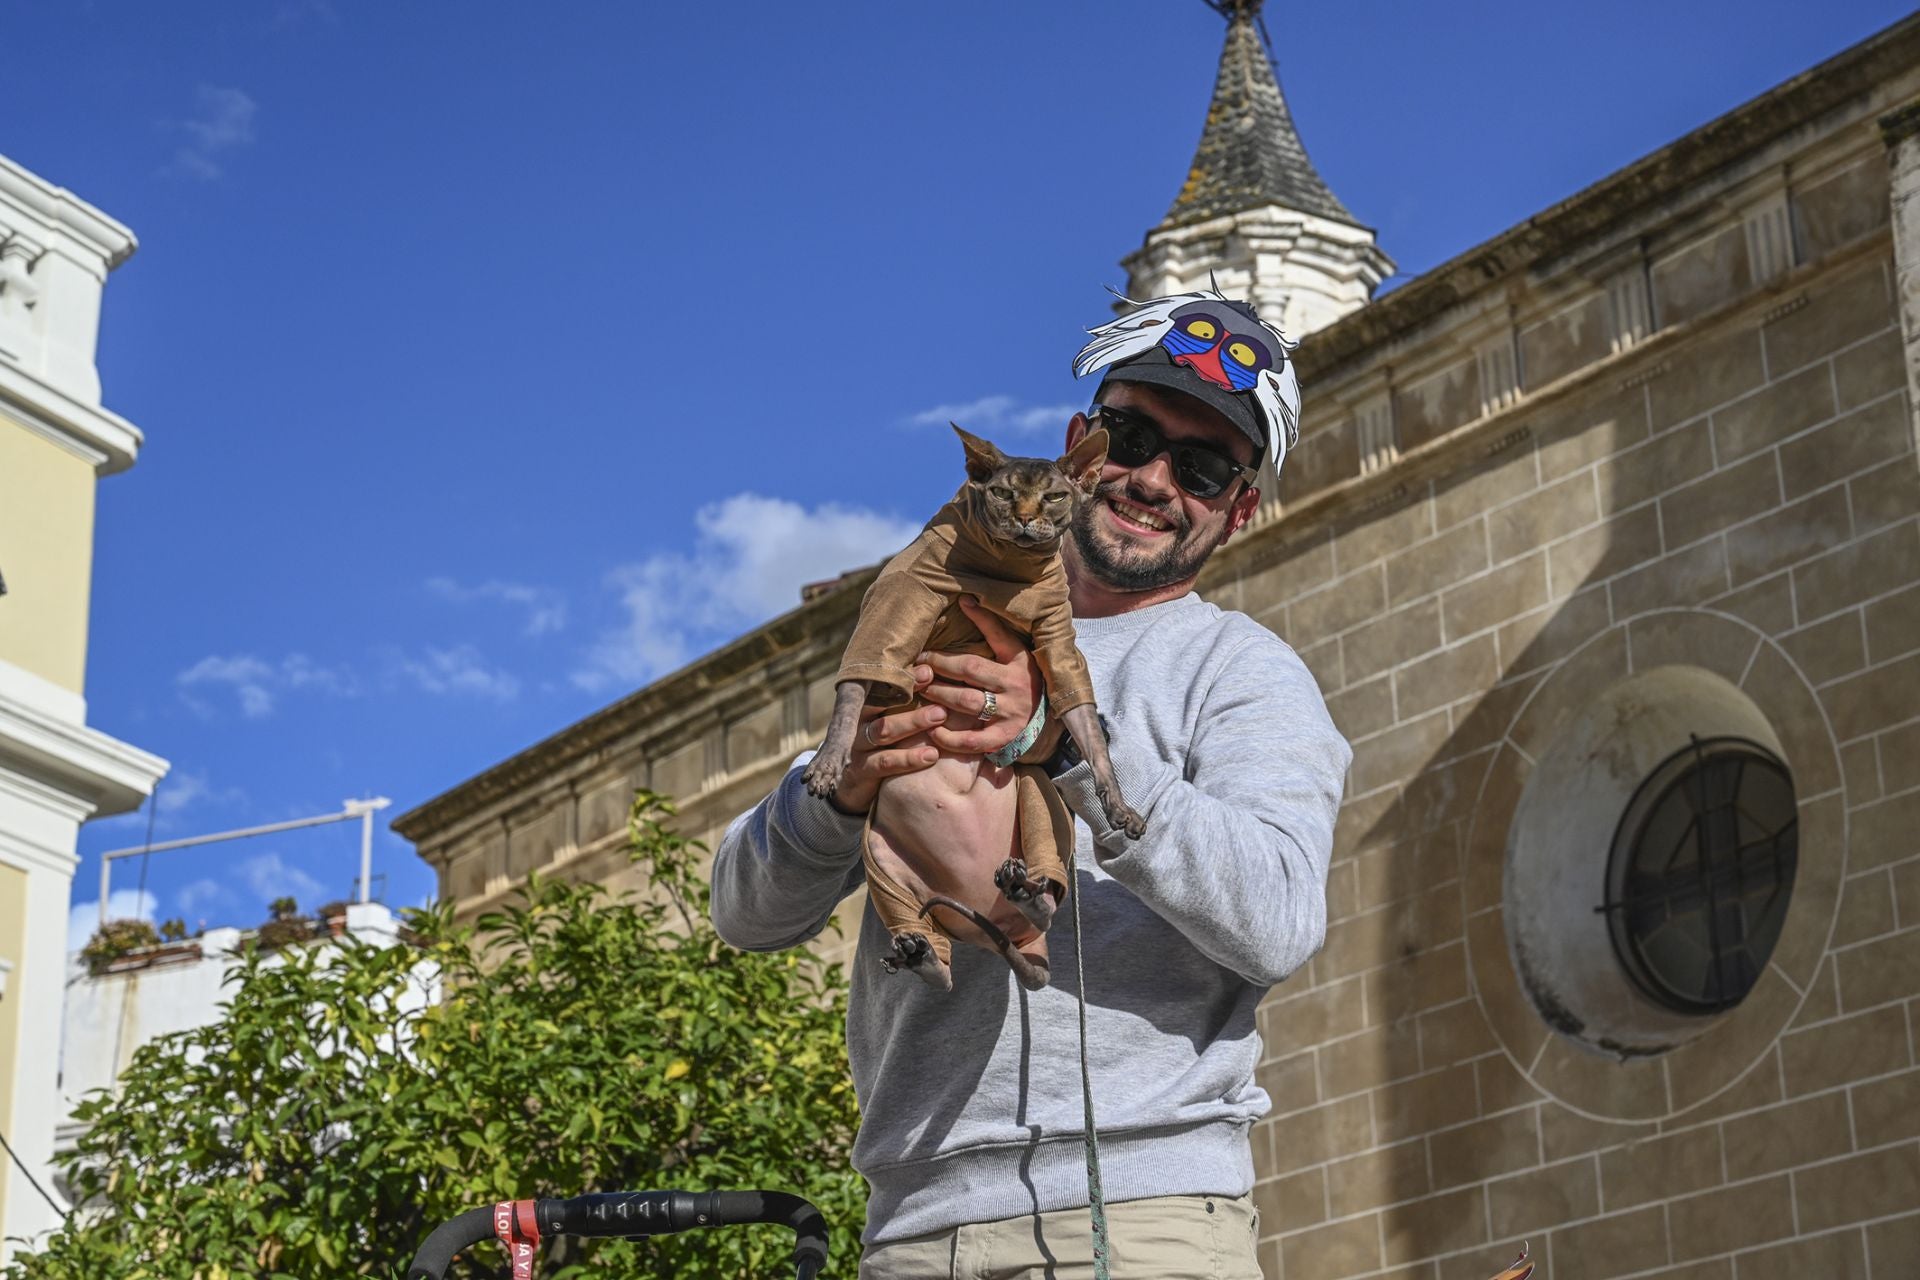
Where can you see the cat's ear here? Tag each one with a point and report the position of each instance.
(1083, 462)
(983, 459)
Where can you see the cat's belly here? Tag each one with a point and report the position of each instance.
(947, 829)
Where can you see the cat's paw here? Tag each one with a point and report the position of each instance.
(1120, 815)
(823, 774)
(912, 951)
(1029, 897)
(1011, 880)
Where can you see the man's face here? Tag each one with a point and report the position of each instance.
(1140, 531)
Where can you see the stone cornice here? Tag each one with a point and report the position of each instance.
(1296, 525)
(105, 439)
(56, 207)
(682, 698)
(1897, 126)
(1604, 205)
(105, 774)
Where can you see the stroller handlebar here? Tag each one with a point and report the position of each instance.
(632, 1214)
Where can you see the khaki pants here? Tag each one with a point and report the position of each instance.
(1165, 1238)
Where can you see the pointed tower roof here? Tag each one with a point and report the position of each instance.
(1249, 154)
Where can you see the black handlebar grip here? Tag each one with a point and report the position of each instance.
(625, 1214)
(630, 1214)
(449, 1238)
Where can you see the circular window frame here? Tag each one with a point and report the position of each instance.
(1587, 1078)
(1627, 855)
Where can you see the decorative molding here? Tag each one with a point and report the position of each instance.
(1847, 89)
(793, 719)
(1499, 373)
(59, 208)
(105, 439)
(1786, 308)
(1503, 443)
(1644, 376)
(1629, 307)
(1373, 430)
(1769, 230)
(1899, 125)
(107, 775)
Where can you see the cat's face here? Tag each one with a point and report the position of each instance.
(1030, 502)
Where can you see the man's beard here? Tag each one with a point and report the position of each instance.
(1128, 566)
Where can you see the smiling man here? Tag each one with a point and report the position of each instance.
(972, 1137)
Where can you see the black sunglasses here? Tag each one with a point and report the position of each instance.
(1135, 441)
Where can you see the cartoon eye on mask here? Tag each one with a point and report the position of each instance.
(1204, 338)
(1242, 358)
(1196, 328)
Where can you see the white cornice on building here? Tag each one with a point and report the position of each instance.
(1300, 270)
(44, 737)
(55, 253)
(105, 439)
(67, 215)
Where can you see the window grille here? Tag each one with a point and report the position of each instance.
(1700, 873)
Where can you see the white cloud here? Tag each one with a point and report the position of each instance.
(269, 877)
(459, 670)
(201, 893)
(184, 789)
(222, 121)
(122, 904)
(546, 609)
(257, 683)
(989, 414)
(751, 556)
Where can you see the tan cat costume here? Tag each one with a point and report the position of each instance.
(911, 607)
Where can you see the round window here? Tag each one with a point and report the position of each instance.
(1700, 874)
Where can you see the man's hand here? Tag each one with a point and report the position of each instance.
(886, 744)
(960, 682)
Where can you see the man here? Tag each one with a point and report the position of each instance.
(972, 1131)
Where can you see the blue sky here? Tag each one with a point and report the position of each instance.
(496, 359)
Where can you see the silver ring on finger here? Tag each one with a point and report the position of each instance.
(867, 733)
(990, 705)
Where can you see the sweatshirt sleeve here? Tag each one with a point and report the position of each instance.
(783, 866)
(1236, 852)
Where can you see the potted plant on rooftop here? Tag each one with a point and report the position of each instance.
(286, 925)
(115, 940)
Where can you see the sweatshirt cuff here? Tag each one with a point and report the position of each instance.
(815, 824)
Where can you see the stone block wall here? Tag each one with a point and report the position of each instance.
(1744, 502)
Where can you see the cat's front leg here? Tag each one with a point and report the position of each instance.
(1083, 722)
(829, 763)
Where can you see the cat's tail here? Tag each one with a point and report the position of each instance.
(1030, 972)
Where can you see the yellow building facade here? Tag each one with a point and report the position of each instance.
(56, 441)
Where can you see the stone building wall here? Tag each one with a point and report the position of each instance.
(1749, 511)
(1714, 506)
(1640, 468)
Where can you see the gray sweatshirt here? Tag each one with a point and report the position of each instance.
(970, 1100)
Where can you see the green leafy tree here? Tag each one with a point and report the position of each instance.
(581, 1042)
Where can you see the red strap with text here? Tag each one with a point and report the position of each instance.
(514, 1223)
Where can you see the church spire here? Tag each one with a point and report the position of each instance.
(1250, 155)
(1254, 219)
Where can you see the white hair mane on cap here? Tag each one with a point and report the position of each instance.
(1276, 392)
